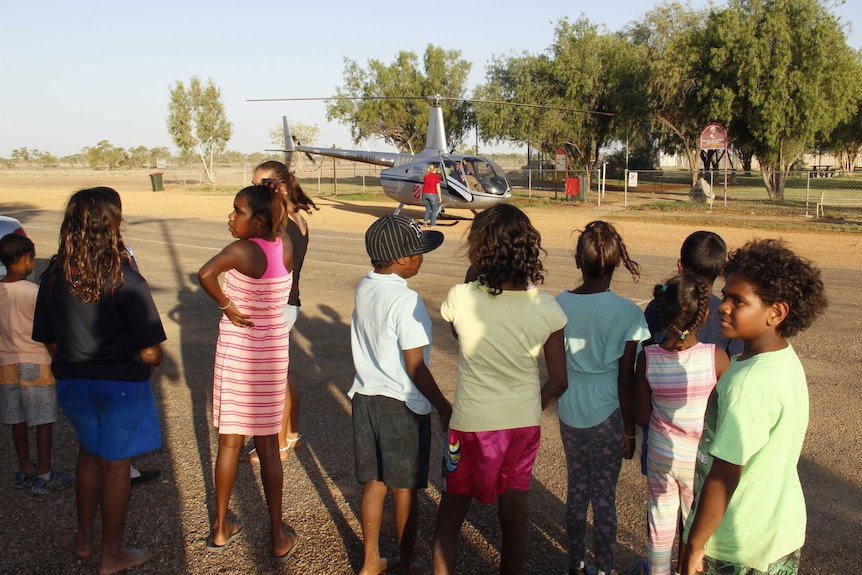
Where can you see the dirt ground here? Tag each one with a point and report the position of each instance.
(177, 230)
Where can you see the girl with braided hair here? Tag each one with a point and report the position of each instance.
(673, 381)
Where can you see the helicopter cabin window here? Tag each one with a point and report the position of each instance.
(484, 176)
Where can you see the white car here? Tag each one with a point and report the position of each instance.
(9, 226)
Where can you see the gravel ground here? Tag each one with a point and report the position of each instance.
(173, 233)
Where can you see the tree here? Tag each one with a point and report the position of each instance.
(793, 77)
(21, 155)
(582, 70)
(197, 122)
(386, 113)
(105, 154)
(845, 141)
(670, 42)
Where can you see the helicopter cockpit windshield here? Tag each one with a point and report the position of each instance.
(479, 175)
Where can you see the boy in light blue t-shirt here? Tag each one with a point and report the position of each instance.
(393, 390)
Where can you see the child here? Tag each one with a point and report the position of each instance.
(393, 391)
(749, 514)
(602, 337)
(251, 358)
(27, 388)
(297, 230)
(98, 319)
(704, 254)
(502, 322)
(673, 381)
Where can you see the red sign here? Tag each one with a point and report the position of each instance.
(713, 137)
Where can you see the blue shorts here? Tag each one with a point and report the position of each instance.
(113, 419)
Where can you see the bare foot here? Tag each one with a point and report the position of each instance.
(382, 565)
(125, 559)
(76, 547)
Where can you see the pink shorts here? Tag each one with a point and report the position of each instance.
(484, 464)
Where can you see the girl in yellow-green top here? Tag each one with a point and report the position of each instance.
(749, 516)
(503, 322)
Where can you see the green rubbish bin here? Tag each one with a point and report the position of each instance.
(156, 181)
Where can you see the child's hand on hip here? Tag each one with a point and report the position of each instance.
(238, 318)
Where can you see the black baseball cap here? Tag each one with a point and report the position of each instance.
(395, 236)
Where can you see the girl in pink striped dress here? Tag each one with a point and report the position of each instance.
(673, 383)
(251, 355)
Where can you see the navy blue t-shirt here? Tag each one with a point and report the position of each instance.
(100, 339)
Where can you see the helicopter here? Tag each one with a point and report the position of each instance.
(467, 181)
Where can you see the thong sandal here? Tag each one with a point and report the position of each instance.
(211, 545)
(286, 555)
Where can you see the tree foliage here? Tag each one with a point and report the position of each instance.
(793, 77)
(385, 113)
(669, 41)
(582, 70)
(197, 121)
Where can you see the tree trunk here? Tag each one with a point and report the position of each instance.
(775, 181)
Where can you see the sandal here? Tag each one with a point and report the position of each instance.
(249, 453)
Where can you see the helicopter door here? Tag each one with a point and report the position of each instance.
(456, 181)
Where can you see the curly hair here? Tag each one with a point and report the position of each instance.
(601, 250)
(504, 247)
(91, 247)
(267, 202)
(776, 274)
(682, 303)
(278, 172)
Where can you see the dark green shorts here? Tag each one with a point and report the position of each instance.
(787, 565)
(391, 443)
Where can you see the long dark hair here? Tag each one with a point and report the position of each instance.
(91, 247)
(279, 172)
(682, 303)
(601, 250)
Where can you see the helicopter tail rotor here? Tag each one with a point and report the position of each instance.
(289, 148)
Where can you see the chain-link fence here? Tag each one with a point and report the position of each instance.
(815, 192)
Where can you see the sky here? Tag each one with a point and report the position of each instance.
(76, 73)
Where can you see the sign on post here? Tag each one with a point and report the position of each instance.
(561, 160)
(714, 137)
(633, 179)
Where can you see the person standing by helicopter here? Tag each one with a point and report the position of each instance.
(431, 195)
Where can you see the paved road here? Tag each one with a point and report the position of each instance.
(322, 497)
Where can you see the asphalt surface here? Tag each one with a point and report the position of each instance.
(171, 516)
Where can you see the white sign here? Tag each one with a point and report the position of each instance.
(633, 179)
(560, 162)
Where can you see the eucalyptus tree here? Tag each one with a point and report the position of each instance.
(584, 71)
(668, 40)
(845, 141)
(387, 101)
(197, 122)
(790, 76)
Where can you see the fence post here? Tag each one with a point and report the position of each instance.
(530, 183)
(807, 191)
